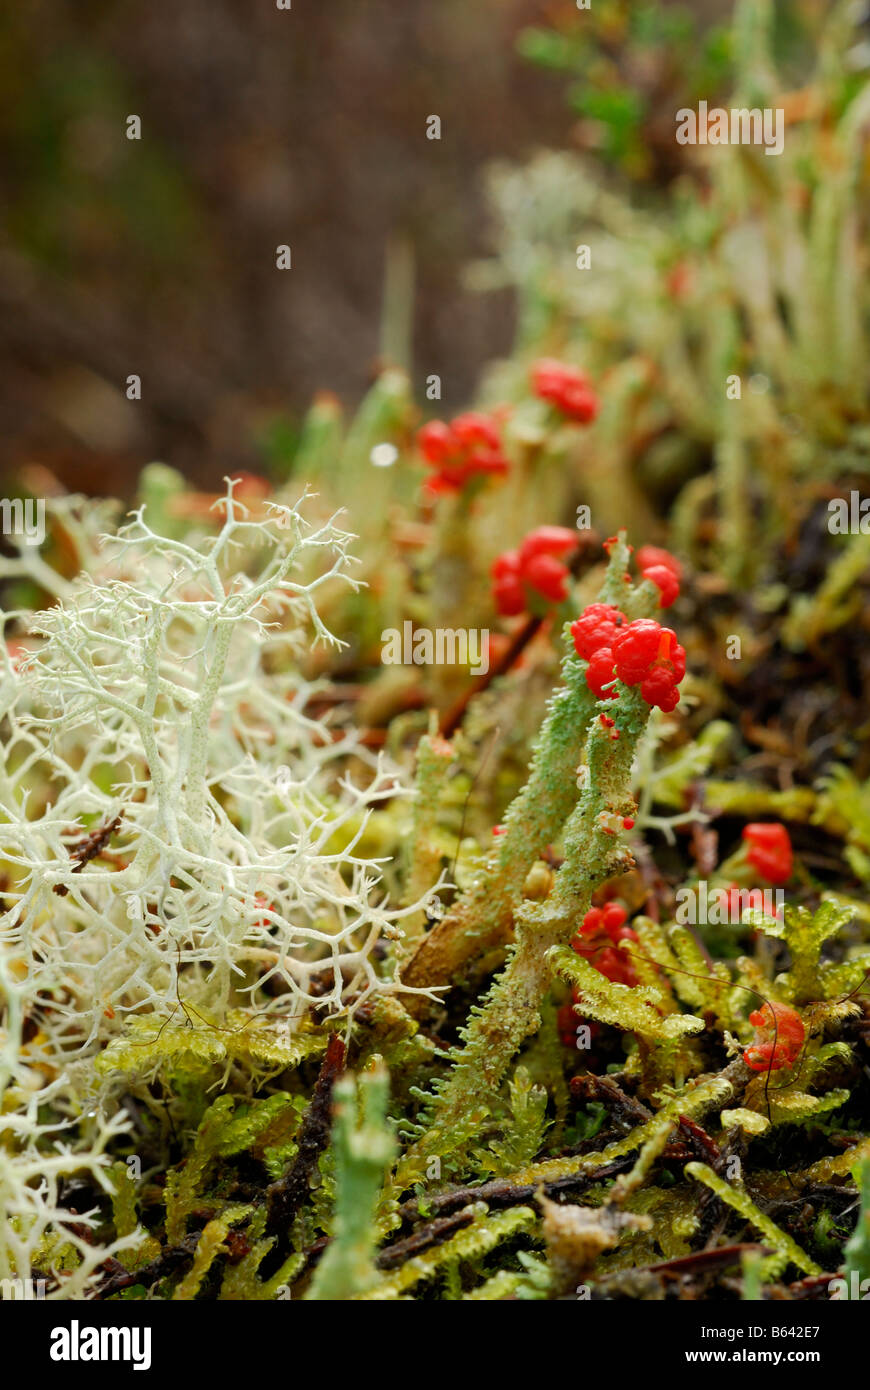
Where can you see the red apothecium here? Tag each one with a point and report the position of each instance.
(663, 569)
(468, 447)
(770, 850)
(780, 1035)
(567, 388)
(534, 570)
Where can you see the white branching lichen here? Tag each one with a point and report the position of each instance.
(180, 840)
(164, 693)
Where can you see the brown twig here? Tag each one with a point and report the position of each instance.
(623, 1108)
(520, 640)
(816, 1286)
(89, 848)
(285, 1197)
(703, 1259)
(706, 1149)
(170, 1261)
(502, 1193)
(432, 1234)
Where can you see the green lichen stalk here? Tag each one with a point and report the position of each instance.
(535, 818)
(511, 1012)
(364, 1146)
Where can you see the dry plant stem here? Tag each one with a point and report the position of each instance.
(503, 1192)
(172, 1260)
(482, 917)
(435, 757)
(519, 642)
(452, 576)
(285, 1197)
(510, 1013)
(707, 1095)
(434, 1233)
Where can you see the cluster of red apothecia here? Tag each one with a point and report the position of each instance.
(641, 653)
(780, 1037)
(598, 941)
(780, 1032)
(471, 445)
(769, 850)
(468, 447)
(535, 569)
(567, 388)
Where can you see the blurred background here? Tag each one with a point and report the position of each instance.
(259, 127)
